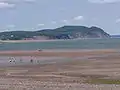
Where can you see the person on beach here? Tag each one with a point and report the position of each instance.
(14, 59)
(31, 60)
(20, 60)
(39, 50)
(38, 62)
(10, 60)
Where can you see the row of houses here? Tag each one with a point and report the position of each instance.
(37, 38)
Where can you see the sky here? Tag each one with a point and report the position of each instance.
(32, 15)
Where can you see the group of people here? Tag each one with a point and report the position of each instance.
(13, 59)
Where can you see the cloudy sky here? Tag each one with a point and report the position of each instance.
(40, 14)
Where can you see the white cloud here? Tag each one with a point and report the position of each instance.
(104, 1)
(12, 3)
(78, 18)
(6, 5)
(40, 25)
(17, 0)
(118, 20)
(65, 21)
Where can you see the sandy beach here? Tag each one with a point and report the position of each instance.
(60, 70)
(56, 52)
(26, 41)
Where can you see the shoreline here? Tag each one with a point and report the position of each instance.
(50, 40)
(26, 41)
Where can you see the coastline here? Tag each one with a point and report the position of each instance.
(44, 40)
(26, 41)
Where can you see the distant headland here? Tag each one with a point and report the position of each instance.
(65, 32)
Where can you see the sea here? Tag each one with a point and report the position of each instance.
(110, 43)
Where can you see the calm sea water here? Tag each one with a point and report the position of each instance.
(70, 44)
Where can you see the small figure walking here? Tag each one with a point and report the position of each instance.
(20, 60)
(10, 60)
(14, 59)
(31, 60)
(39, 50)
(38, 62)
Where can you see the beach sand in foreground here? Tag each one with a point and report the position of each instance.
(102, 68)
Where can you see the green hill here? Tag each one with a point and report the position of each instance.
(65, 32)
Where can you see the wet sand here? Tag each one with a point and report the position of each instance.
(62, 53)
(48, 56)
(69, 70)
